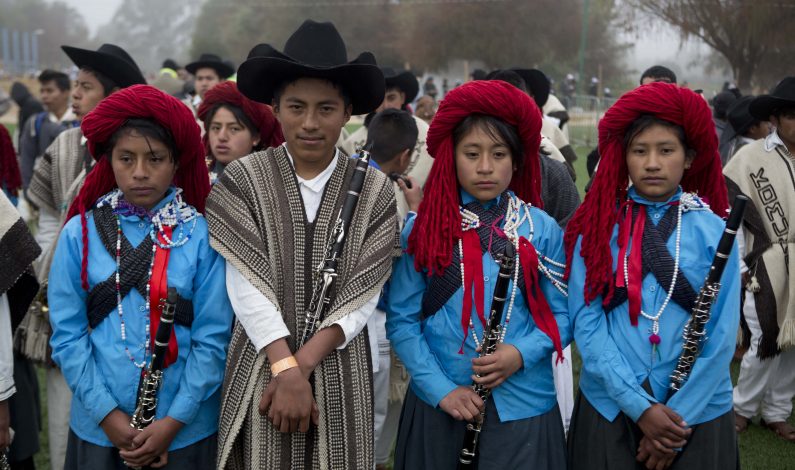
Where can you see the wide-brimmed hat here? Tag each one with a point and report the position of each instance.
(404, 80)
(783, 95)
(739, 116)
(211, 61)
(111, 61)
(315, 50)
(537, 84)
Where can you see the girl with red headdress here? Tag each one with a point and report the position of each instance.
(482, 194)
(133, 233)
(235, 127)
(637, 257)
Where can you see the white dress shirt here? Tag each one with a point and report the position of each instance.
(261, 318)
(6, 351)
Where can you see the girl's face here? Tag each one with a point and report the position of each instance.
(484, 166)
(229, 139)
(143, 168)
(656, 161)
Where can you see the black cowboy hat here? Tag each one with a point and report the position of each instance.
(783, 95)
(537, 84)
(315, 50)
(739, 117)
(111, 61)
(404, 80)
(211, 61)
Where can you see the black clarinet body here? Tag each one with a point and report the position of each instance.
(146, 406)
(491, 338)
(326, 273)
(695, 329)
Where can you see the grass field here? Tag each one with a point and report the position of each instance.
(760, 449)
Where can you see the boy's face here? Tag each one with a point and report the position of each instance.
(52, 97)
(656, 161)
(143, 168)
(206, 78)
(312, 113)
(87, 94)
(785, 127)
(393, 99)
(484, 166)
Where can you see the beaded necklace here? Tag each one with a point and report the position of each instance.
(514, 218)
(687, 202)
(175, 212)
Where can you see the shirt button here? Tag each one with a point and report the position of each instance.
(653, 288)
(141, 225)
(656, 216)
(486, 278)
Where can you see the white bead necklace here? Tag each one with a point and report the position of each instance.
(654, 338)
(176, 212)
(514, 218)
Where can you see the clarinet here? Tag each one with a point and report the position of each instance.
(146, 406)
(491, 338)
(326, 272)
(695, 329)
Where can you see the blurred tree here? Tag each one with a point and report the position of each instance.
(426, 34)
(60, 24)
(153, 30)
(748, 33)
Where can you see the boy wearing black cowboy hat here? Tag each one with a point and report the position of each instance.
(208, 71)
(762, 170)
(271, 216)
(402, 88)
(744, 128)
(57, 178)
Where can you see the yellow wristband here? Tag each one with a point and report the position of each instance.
(282, 365)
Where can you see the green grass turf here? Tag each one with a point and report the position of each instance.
(760, 449)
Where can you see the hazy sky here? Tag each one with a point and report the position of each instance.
(95, 12)
(658, 46)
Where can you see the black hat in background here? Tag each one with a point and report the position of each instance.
(211, 61)
(740, 117)
(782, 96)
(537, 84)
(404, 80)
(111, 61)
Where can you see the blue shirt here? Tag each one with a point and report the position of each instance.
(94, 362)
(617, 357)
(429, 348)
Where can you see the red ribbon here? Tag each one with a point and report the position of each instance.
(539, 308)
(634, 271)
(158, 288)
(473, 281)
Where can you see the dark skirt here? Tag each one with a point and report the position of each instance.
(429, 438)
(598, 444)
(81, 454)
(25, 410)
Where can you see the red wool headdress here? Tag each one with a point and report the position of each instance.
(10, 178)
(261, 115)
(595, 218)
(147, 102)
(438, 223)
(98, 126)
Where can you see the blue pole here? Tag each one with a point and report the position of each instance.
(26, 62)
(6, 50)
(15, 51)
(34, 49)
